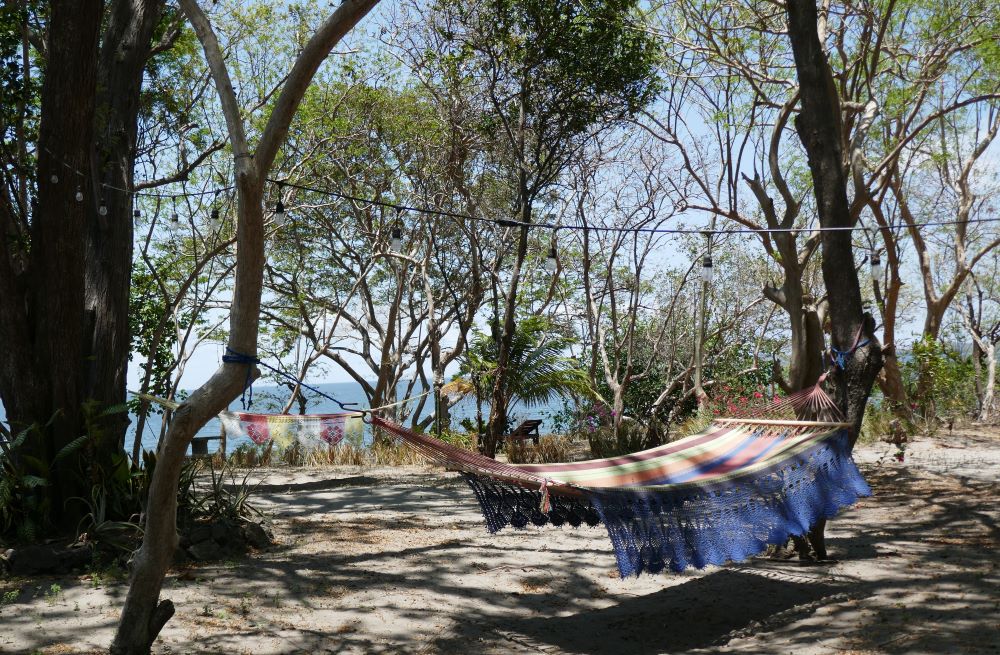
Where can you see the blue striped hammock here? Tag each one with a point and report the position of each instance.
(721, 495)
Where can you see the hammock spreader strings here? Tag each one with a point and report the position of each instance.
(801, 412)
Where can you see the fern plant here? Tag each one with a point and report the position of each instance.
(24, 481)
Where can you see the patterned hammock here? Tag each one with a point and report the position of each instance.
(285, 429)
(721, 495)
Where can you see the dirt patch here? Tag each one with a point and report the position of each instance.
(398, 561)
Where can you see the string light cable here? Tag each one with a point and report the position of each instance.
(549, 225)
(502, 222)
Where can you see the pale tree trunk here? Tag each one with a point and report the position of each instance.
(820, 130)
(504, 340)
(142, 615)
(503, 334)
(989, 410)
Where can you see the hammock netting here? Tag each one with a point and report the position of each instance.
(721, 495)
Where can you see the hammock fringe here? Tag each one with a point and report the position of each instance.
(651, 530)
(722, 495)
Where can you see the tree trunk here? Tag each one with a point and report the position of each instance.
(143, 616)
(72, 344)
(988, 411)
(498, 400)
(109, 239)
(42, 327)
(891, 383)
(820, 130)
(806, 361)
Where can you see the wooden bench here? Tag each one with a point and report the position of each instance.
(199, 446)
(527, 430)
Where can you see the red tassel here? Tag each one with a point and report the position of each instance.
(546, 504)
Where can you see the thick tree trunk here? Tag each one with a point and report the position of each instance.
(42, 292)
(72, 341)
(821, 132)
(109, 239)
(819, 127)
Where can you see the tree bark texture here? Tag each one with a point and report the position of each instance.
(819, 128)
(64, 325)
(42, 284)
(123, 56)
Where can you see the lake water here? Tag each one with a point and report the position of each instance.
(271, 400)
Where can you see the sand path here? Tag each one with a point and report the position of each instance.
(398, 561)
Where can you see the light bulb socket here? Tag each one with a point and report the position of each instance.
(279, 207)
(396, 239)
(136, 213)
(876, 263)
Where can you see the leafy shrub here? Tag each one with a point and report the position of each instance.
(606, 442)
(25, 504)
(940, 380)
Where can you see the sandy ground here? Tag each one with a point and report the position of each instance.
(398, 561)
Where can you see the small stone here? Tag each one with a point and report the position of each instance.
(49, 558)
(256, 535)
(199, 533)
(205, 550)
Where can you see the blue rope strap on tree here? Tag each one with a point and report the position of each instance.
(233, 357)
(839, 358)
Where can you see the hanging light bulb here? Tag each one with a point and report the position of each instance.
(214, 220)
(396, 242)
(876, 268)
(279, 214)
(707, 272)
(279, 218)
(54, 179)
(552, 261)
(79, 194)
(102, 209)
(175, 224)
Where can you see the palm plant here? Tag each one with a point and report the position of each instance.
(539, 370)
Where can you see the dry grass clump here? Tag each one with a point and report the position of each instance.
(381, 453)
(550, 448)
